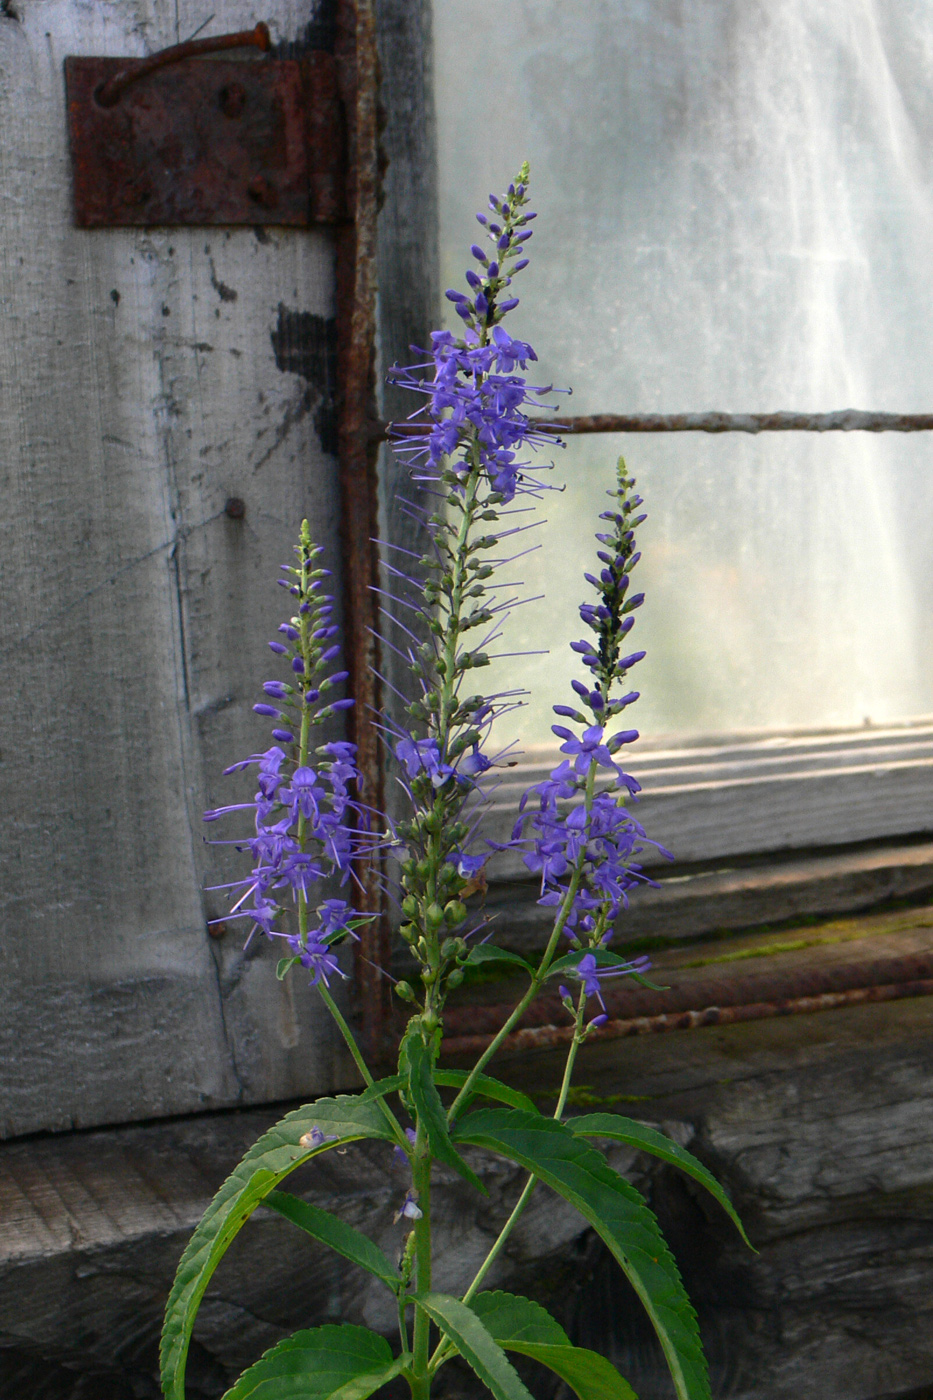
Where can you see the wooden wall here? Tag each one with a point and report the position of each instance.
(145, 377)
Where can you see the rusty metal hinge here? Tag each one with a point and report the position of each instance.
(177, 139)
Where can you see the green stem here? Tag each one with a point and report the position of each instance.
(303, 742)
(443, 1348)
(575, 1044)
(544, 965)
(362, 1066)
(421, 1179)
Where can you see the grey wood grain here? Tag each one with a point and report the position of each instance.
(821, 1126)
(145, 377)
(733, 895)
(721, 797)
(408, 273)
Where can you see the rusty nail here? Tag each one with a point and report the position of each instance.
(235, 508)
(263, 192)
(110, 92)
(232, 99)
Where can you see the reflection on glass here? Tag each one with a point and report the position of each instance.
(736, 213)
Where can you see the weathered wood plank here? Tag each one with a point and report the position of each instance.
(408, 269)
(721, 797)
(145, 377)
(697, 902)
(821, 1126)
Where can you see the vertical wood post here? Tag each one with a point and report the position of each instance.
(356, 287)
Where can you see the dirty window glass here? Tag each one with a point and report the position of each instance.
(736, 213)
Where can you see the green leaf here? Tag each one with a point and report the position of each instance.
(486, 1087)
(334, 1362)
(587, 1373)
(278, 1152)
(518, 1324)
(381, 1087)
(475, 1345)
(431, 1111)
(284, 966)
(619, 1129)
(618, 1214)
(509, 1318)
(489, 953)
(337, 1235)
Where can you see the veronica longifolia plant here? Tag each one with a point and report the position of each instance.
(574, 831)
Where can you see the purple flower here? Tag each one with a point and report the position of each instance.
(409, 1209)
(466, 866)
(315, 1138)
(399, 1152)
(304, 819)
(590, 748)
(591, 974)
(472, 764)
(423, 756)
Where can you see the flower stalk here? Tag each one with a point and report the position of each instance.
(574, 831)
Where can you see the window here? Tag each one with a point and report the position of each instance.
(736, 215)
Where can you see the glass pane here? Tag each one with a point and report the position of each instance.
(735, 213)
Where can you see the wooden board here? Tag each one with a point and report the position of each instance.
(717, 797)
(821, 1127)
(145, 377)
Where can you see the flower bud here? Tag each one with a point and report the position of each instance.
(405, 991)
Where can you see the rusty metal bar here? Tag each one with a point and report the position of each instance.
(110, 92)
(357, 68)
(548, 1037)
(845, 420)
(701, 1001)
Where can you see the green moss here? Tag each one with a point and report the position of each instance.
(583, 1096)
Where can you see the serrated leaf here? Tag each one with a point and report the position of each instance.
(484, 1086)
(381, 1087)
(587, 1373)
(461, 1324)
(431, 1111)
(486, 953)
(347, 1118)
(520, 1325)
(510, 1318)
(618, 1214)
(336, 1234)
(627, 1130)
(334, 1362)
